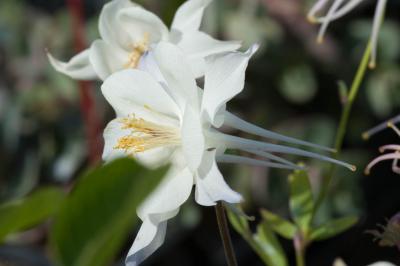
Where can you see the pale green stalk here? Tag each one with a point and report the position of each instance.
(344, 119)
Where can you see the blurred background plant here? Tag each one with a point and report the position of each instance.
(292, 88)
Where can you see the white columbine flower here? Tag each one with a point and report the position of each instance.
(128, 31)
(176, 122)
(340, 8)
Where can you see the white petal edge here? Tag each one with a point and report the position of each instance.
(111, 134)
(170, 194)
(109, 28)
(78, 67)
(107, 59)
(149, 238)
(189, 15)
(224, 79)
(138, 22)
(200, 44)
(211, 186)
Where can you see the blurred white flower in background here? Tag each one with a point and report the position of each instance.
(128, 31)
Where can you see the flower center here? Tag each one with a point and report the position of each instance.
(138, 49)
(145, 135)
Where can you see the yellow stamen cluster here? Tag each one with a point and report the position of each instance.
(138, 49)
(145, 135)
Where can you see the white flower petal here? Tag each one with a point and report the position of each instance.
(224, 79)
(107, 59)
(149, 238)
(136, 92)
(382, 263)
(197, 65)
(78, 67)
(211, 186)
(189, 15)
(148, 64)
(138, 22)
(193, 142)
(177, 72)
(173, 191)
(200, 44)
(109, 28)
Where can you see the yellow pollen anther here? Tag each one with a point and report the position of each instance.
(145, 135)
(138, 49)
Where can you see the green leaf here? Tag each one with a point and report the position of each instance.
(239, 222)
(343, 91)
(264, 242)
(270, 246)
(332, 228)
(280, 225)
(30, 211)
(96, 219)
(301, 199)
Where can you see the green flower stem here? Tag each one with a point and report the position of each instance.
(300, 249)
(300, 258)
(225, 236)
(344, 119)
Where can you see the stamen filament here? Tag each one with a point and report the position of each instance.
(384, 157)
(389, 147)
(329, 18)
(138, 49)
(367, 134)
(378, 18)
(346, 8)
(393, 126)
(145, 135)
(316, 7)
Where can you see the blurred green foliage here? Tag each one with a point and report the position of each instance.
(96, 218)
(302, 231)
(25, 213)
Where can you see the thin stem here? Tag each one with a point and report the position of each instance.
(344, 119)
(300, 258)
(225, 236)
(87, 102)
(300, 250)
